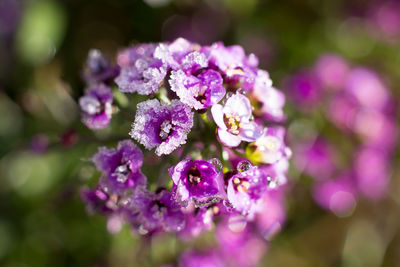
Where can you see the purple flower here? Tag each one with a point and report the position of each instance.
(276, 173)
(197, 220)
(98, 200)
(372, 172)
(204, 259)
(385, 16)
(162, 126)
(238, 244)
(140, 72)
(332, 71)
(198, 91)
(197, 180)
(234, 121)
(270, 147)
(120, 167)
(173, 54)
(316, 159)
(272, 214)
(99, 68)
(267, 101)
(246, 187)
(155, 212)
(338, 196)
(304, 89)
(238, 69)
(96, 106)
(367, 88)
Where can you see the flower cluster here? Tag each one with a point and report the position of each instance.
(356, 103)
(208, 108)
(96, 104)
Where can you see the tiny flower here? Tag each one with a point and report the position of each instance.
(337, 196)
(239, 245)
(372, 172)
(270, 147)
(197, 180)
(305, 89)
(96, 106)
(198, 89)
(315, 159)
(198, 220)
(99, 68)
(162, 126)
(234, 121)
(173, 54)
(332, 71)
(238, 69)
(98, 200)
(140, 72)
(272, 215)
(268, 102)
(121, 166)
(156, 211)
(246, 187)
(366, 86)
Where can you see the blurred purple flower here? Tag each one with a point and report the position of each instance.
(315, 159)
(304, 89)
(99, 68)
(239, 246)
(120, 167)
(197, 220)
(270, 147)
(332, 71)
(267, 101)
(371, 172)
(162, 126)
(338, 196)
(367, 88)
(98, 200)
(386, 16)
(272, 214)
(155, 212)
(96, 106)
(209, 258)
(140, 71)
(39, 143)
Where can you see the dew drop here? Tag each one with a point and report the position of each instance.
(243, 166)
(237, 223)
(217, 164)
(241, 91)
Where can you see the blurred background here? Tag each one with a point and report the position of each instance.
(45, 149)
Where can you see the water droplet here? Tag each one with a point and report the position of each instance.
(228, 205)
(241, 91)
(141, 230)
(227, 96)
(272, 182)
(237, 223)
(217, 164)
(243, 166)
